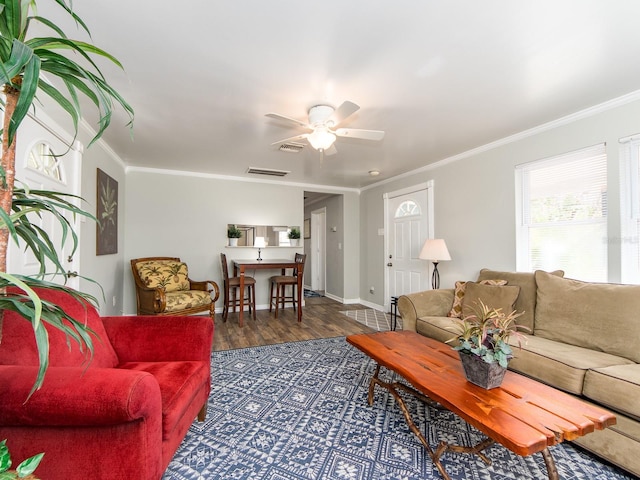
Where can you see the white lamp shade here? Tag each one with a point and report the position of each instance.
(321, 138)
(435, 249)
(259, 242)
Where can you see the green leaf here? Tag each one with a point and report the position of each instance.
(5, 458)
(28, 466)
(21, 54)
(28, 89)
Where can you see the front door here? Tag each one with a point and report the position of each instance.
(37, 168)
(408, 226)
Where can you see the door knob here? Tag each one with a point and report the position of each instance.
(72, 274)
(389, 264)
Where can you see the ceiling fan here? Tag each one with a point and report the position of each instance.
(323, 120)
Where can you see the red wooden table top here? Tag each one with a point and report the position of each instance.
(524, 415)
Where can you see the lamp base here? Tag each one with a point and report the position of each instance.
(435, 277)
(259, 259)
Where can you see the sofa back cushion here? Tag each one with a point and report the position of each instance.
(597, 316)
(526, 301)
(168, 274)
(18, 345)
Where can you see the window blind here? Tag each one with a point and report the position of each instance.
(564, 214)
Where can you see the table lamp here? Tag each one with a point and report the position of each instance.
(435, 249)
(259, 243)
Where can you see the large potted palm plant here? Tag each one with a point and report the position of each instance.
(26, 60)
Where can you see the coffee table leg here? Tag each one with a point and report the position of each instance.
(552, 471)
(391, 387)
(372, 384)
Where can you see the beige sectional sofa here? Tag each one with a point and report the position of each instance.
(584, 339)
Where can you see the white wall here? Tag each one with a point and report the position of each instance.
(475, 198)
(105, 270)
(186, 216)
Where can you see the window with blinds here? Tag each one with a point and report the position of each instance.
(630, 209)
(562, 214)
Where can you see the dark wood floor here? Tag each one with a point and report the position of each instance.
(321, 319)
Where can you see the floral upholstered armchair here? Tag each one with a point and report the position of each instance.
(163, 287)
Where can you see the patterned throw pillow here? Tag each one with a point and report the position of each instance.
(167, 274)
(458, 296)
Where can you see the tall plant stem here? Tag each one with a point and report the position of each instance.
(6, 184)
(9, 167)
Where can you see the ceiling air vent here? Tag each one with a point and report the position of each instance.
(268, 171)
(291, 147)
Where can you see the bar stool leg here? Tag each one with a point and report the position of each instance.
(253, 299)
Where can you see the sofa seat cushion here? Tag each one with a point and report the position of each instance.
(180, 383)
(438, 328)
(598, 316)
(617, 387)
(179, 301)
(559, 364)
(168, 274)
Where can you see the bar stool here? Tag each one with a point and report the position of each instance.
(281, 282)
(231, 285)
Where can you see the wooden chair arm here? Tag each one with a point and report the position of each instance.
(152, 299)
(204, 286)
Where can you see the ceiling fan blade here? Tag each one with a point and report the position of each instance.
(343, 111)
(277, 116)
(291, 139)
(359, 133)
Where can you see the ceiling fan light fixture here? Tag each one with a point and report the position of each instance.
(321, 139)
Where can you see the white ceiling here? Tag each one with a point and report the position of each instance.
(440, 77)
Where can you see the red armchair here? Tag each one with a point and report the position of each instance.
(123, 415)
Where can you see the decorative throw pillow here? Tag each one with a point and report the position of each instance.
(503, 297)
(458, 295)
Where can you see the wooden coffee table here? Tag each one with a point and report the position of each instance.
(523, 415)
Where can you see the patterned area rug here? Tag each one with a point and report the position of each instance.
(299, 411)
(375, 319)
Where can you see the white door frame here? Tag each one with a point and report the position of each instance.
(428, 186)
(318, 249)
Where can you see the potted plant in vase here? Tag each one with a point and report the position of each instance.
(233, 233)
(483, 343)
(294, 236)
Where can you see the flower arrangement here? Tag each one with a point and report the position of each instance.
(233, 232)
(486, 332)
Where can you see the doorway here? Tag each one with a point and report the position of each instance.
(408, 223)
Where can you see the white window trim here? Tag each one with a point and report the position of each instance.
(629, 209)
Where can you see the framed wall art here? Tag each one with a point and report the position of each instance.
(107, 215)
(307, 228)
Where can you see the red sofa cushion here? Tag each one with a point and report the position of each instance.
(19, 345)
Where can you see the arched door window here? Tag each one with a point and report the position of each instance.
(407, 209)
(42, 159)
